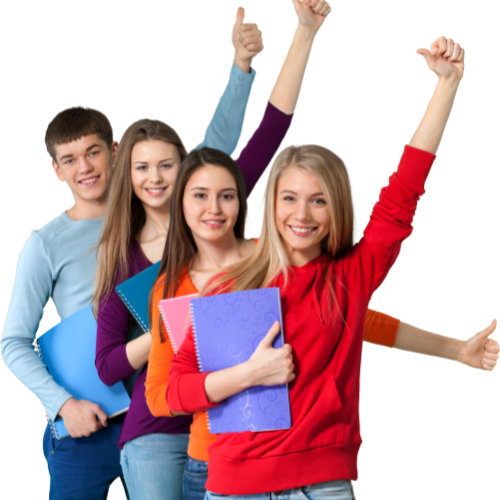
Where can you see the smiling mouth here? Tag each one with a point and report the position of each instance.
(302, 231)
(214, 223)
(156, 191)
(89, 182)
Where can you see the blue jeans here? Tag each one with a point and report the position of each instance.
(83, 468)
(334, 490)
(153, 465)
(194, 479)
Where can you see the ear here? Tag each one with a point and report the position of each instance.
(58, 171)
(114, 149)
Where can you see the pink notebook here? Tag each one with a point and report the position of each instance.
(176, 318)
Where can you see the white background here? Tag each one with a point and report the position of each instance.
(430, 427)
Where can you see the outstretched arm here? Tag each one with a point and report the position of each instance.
(225, 128)
(477, 352)
(446, 59)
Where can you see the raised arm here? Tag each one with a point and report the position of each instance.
(225, 128)
(266, 140)
(446, 59)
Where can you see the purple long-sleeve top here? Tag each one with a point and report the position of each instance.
(114, 318)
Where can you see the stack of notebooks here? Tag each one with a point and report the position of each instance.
(68, 352)
(227, 330)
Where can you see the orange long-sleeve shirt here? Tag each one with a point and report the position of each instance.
(379, 329)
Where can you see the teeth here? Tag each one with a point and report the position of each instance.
(213, 221)
(89, 181)
(302, 229)
(159, 190)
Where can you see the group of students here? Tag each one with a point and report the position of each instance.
(148, 200)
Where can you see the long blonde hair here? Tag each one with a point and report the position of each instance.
(269, 260)
(125, 215)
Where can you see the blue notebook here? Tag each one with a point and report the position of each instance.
(135, 294)
(68, 352)
(227, 330)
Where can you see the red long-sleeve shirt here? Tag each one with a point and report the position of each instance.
(323, 442)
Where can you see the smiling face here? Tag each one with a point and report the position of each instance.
(302, 215)
(154, 169)
(85, 165)
(211, 204)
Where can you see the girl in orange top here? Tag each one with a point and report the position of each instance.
(206, 234)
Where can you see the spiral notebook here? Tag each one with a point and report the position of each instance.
(227, 330)
(135, 294)
(176, 316)
(68, 352)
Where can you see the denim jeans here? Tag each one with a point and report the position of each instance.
(153, 466)
(83, 468)
(194, 479)
(331, 490)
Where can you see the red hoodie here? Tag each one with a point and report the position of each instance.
(323, 442)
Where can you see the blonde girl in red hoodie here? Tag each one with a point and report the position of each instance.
(306, 249)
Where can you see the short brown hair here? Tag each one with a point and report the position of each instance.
(73, 123)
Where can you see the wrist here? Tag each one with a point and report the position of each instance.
(246, 376)
(308, 32)
(449, 83)
(66, 407)
(243, 63)
(461, 353)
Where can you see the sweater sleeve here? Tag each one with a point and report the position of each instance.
(225, 128)
(380, 329)
(367, 264)
(32, 291)
(186, 389)
(159, 364)
(263, 145)
(112, 337)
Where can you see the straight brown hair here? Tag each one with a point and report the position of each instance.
(125, 215)
(180, 247)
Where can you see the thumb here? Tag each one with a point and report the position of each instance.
(488, 331)
(240, 15)
(103, 418)
(428, 56)
(267, 341)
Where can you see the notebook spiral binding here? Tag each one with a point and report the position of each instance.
(169, 331)
(198, 354)
(195, 338)
(143, 325)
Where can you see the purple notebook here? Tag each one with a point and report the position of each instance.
(227, 330)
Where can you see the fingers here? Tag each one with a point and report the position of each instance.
(455, 53)
(321, 8)
(438, 48)
(461, 56)
(490, 355)
(250, 37)
(103, 418)
(450, 45)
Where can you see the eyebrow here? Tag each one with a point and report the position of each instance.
(87, 150)
(201, 188)
(161, 161)
(319, 193)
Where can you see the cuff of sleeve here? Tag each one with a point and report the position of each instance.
(192, 389)
(242, 76)
(276, 114)
(414, 168)
(54, 411)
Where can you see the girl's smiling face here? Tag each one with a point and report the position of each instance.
(302, 215)
(210, 203)
(154, 169)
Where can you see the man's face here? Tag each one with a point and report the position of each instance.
(85, 164)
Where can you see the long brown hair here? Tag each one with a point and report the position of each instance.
(269, 259)
(125, 215)
(180, 247)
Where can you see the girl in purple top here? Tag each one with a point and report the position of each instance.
(154, 450)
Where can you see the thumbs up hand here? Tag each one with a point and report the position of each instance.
(480, 351)
(247, 40)
(446, 58)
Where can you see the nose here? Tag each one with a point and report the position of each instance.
(302, 211)
(155, 175)
(84, 167)
(214, 205)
